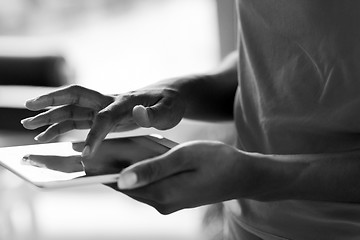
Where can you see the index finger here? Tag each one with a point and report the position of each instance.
(102, 125)
(74, 94)
(78, 146)
(104, 122)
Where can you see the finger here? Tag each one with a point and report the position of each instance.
(162, 115)
(152, 170)
(78, 146)
(26, 160)
(58, 163)
(123, 127)
(60, 128)
(113, 116)
(75, 95)
(57, 115)
(141, 116)
(102, 125)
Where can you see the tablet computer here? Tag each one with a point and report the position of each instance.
(55, 165)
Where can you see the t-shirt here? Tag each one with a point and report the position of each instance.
(298, 93)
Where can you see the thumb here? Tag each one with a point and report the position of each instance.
(149, 171)
(78, 146)
(163, 115)
(141, 116)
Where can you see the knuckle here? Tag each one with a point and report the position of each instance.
(105, 100)
(167, 103)
(91, 114)
(71, 112)
(130, 99)
(74, 125)
(146, 175)
(53, 130)
(105, 116)
(150, 172)
(90, 123)
(48, 120)
(75, 88)
(169, 92)
(76, 100)
(127, 96)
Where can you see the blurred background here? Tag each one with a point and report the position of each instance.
(111, 46)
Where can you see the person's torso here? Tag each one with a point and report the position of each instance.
(299, 92)
(299, 76)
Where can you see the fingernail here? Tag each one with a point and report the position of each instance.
(145, 112)
(29, 162)
(147, 119)
(143, 115)
(31, 100)
(26, 120)
(127, 180)
(36, 138)
(86, 151)
(25, 159)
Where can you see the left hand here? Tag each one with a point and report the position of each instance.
(112, 156)
(189, 175)
(76, 107)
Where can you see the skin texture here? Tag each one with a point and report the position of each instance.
(190, 175)
(75, 107)
(194, 173)
(161, 106)
(108, 159)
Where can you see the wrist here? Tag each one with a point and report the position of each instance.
(274, 178)
(188, 85)
(193, 89)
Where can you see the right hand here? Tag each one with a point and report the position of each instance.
(76, 107)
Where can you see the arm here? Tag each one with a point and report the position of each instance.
(211, 97)
(202, 172)
(207, 97)
(162, 106)
(318, 177)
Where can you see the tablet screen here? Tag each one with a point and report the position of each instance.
(60, 164)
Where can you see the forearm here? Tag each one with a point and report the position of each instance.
(212, 96)
(318, 177)
(209, 96)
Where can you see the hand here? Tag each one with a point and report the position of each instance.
(76, 107)
(112, 156)
(189, 175)
(66, 164)
(108, 159)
